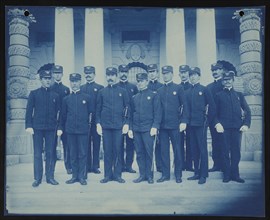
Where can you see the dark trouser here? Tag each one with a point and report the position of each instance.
(48, 136)
(93, 149)
(231, 152)
(158, 155)
(144, 144)
(186, 150)
(78, 154)
(128, 160)
(216, 148)
(198, 143)
(66, 151)
(165, 136)
(112, 153)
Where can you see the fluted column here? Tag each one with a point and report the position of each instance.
(94, 42)
(175, 40)
(206, 42)
(251, 72)
(18, 142)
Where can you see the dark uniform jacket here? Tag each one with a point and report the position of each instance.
(61, 90)
(186, 85)
(92, 90)
(174, 106)
(75, 113)
(146, 111)
(230, 106)
(41, 111)
(154, 86)
(129, 87)
(112, 102)
(198, 97)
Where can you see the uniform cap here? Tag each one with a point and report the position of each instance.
(228, 75)
(123, 68)
(141, 76)
(195, 70)
(184, 68)
(75, 77)
(57, 69)
(89, 69)
(216, 66)
(111, 71)
(45, 74)
(152, 67)
(166, 69)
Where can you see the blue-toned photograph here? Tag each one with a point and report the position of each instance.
(134, 111)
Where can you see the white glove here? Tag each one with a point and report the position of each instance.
(125, 129)
(99, 129)
(29, 130)
(153, 132)
(59, 132)
(182, 127)
(219, 128)
(130, 134)
(244, 128)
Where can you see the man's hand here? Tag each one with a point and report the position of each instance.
(130, 134)
(153, 132)
(29, 130)
(99, 129)
(244, 128)
(125, 129)
(219, 128)
(182, 127)
(59, 132)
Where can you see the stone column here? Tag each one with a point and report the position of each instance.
(175, 40)
(94, 42)
(251, 71)
(18, 142)
(206, 42)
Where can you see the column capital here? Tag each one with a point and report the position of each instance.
(18, 15)
(249, 13)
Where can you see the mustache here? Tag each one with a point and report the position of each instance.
(110, 80)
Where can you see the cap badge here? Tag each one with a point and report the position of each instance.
(174, 92)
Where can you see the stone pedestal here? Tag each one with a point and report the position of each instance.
(251, 72)
(18, 142)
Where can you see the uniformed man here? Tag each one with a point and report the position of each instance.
(215, 87)
(154, 85)
(187, 162)
(230, 105)
(173, 104)
(112, 117)
(202, 107)
(75, 112)
(146, 115)
(91, 88)
(40, 121)
(128, 142)
(62, 91)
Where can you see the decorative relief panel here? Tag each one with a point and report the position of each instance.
(19, 50)
(17, 114)
(135, 52)
(253, 141)
(18, 29)
(18, 71)
(250, 46)
(250, 25)
(17, 88)
(252, 83)
(256, 110)
(251, 67)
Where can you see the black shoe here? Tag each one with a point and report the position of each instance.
(150, 180)
(162, 179)
(71, 181)
(214, 169)
(195, 177)
(105, 180)
(83, 182)
(52, 181)
(124, 169)
(36, 183)
(178, 180)
(159, 169)
(238, 180)
(138, 180)
(69, 171)
(120, 180)
(226, 180)
(202, 180)
(190, 169)
(130, 170)
(96, 171)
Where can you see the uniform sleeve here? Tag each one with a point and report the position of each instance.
(63, 114)
(157, 111)
(135, 90)
(184, 107)
(246, 109)
(99, 106)
(29, 111)
(212, 111)
(132, 109)
(126, 106)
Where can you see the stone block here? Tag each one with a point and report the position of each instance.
(12, 160)
(246, 156)
(258, 155)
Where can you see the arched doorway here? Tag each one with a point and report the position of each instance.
(134, 68)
